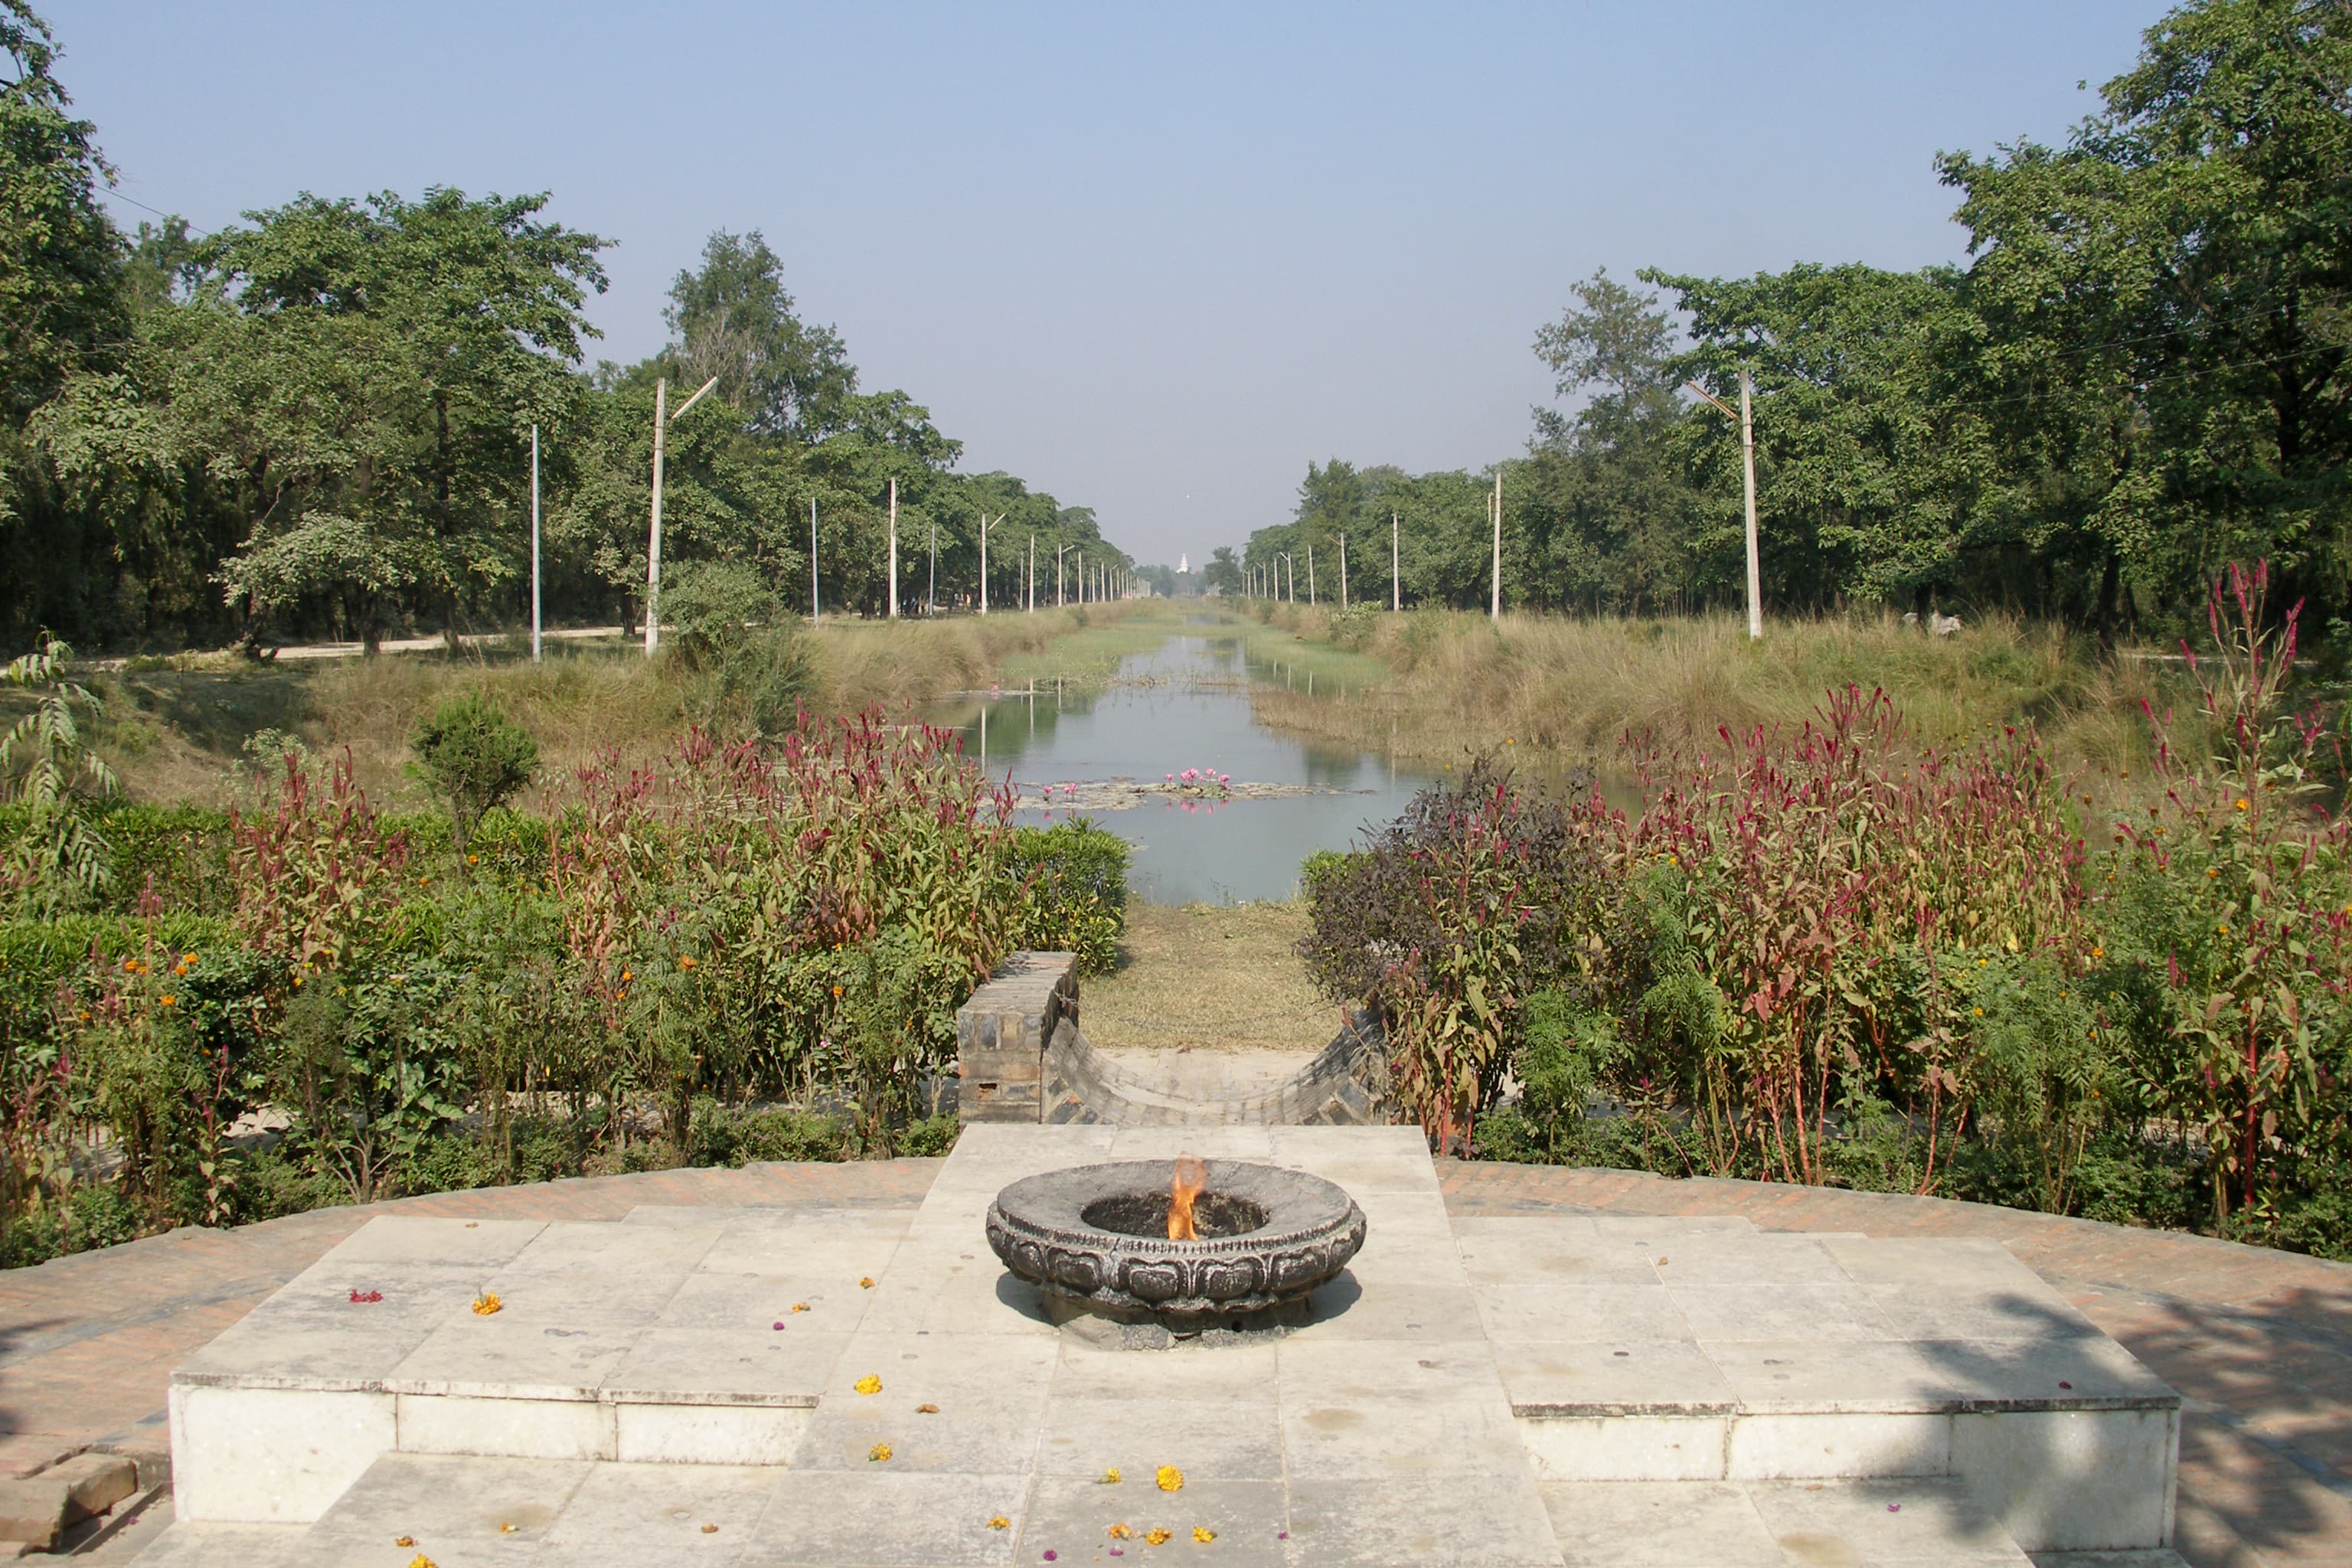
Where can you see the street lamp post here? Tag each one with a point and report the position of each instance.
(652, 542)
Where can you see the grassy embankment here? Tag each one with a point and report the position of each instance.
(1212, 978)
(1458, 682)
(176, 731)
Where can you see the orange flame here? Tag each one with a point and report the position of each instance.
(1191, 1176)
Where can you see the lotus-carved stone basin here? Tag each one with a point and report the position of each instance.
(1098, 1235)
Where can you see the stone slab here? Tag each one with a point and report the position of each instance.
(1429, 1406)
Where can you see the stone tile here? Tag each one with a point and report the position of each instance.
(1886, 1521)
(1926, 1313)
(761, 1366)
(271, 1457)
(615, 1249)
(1652, 1229)
(712, 1300)
(2074, 1480)
(2031, 1373)
(903, 1517)
(1473, 1519)
(1323, 1369)
(190, 1545)
(1639, 1377)
(973, 1295)
(1222, 1439)
(991, 1398)
(581, 1298)
(506, 1428)
(512, 1357)
(460, 1511)
(1658, 1524)
(1550, 1252)
(453, 1242)
(1422, 1314)
(709, 1434)
(1815, 1374)
(1203, 1142)
(1961, 1264)
(309, 1351)
(1823, 1312)
(1820, 1445)
(627, 1515)
(1072, 1517)
(1189, 1369)
(1730, 1259)
(1400, 1440)
(1627, 1448)
(1613, 1314)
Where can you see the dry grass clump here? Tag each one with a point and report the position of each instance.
(1577, 685)
(1211, 977)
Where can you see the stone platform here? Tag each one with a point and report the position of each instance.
(1540, 1390)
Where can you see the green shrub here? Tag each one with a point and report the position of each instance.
(1073, 899)
(474, 757)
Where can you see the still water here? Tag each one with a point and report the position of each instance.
(1186, 705)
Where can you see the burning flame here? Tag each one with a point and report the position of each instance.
(1191, 1176)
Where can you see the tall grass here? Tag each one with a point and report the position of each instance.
(180, 734)
(1459, 680)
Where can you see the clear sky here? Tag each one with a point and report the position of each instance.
(1154, 259)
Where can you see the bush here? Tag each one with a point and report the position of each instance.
(474, 757)
(1072, 878)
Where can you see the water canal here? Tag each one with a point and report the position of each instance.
(1184, 704)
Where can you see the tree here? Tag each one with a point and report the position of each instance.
(733, 320)
(418, 343)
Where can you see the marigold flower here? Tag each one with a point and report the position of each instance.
(869, 1384)
(999, 1522)
(2242, 803)
(1158, 1537)
(421, 1560)
(877, 1454)
(1204, 1534)
(404, 1541)
(1110, 1477)
(866, 1282)
(486, 1303)
(1121, 1532)
(800, 1306)
(167, 999)
(686, 962)
(473, 859)
(1171, 1479)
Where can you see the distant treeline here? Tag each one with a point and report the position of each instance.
(2139, 375)
(318, 422)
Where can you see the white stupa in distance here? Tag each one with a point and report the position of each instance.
(1183, 565)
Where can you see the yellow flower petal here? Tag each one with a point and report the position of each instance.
(869, 1384)
(800, 1306)
(1110, 1476)
(999, 1522)
(404, 1541)
(485, 1303)
(1158, 1537)
(878, 1453)
(866, 1283)
(1172, 1480)
(1204, 1534)
(1121, 1532)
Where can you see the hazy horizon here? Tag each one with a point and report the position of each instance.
(1153, 263)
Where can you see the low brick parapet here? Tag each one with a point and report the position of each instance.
(1000, 1035)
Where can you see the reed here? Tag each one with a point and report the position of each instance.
(1548, 683)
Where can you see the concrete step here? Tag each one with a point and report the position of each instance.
(592, 1514)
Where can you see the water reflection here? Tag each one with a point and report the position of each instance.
(1186, 705)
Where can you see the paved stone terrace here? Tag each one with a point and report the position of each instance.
(2259, 1343)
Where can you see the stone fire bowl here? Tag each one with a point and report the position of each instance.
(1098, 1234)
